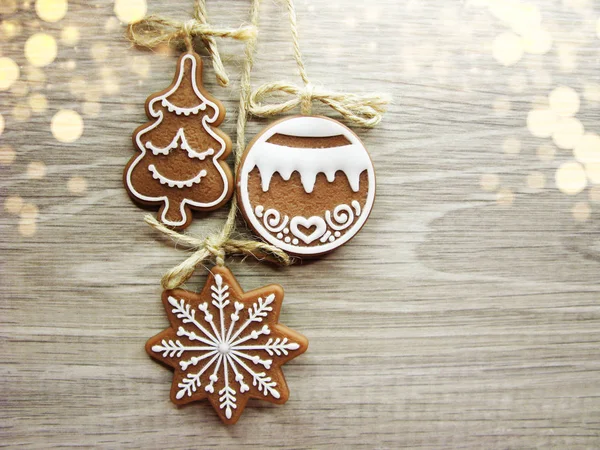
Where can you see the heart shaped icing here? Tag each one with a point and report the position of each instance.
(315, 222)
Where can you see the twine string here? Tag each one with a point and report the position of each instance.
(152, 31)
(360, 110)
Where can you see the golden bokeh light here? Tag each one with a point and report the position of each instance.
(99, 51)
(140, 65)
(537, 41)
(536, 180)
(21, 112)
(594, 194)
(29, 211)
(505, 197)
(38, 102)
(581, 211)
(541, 122)
(13, 204)
(91, 109)
(9, 73)
(10, 28)
(77, 185)
(570, 178)
(546, 152)
(593, 172)
(112, 24)
(36, 170)
(128, 11)
(591, 92)
(564, 101)
(35, 76)
(489, 182)
(511, 146)
(567, 132)
(507, 48)
(8, 7)
(19, 88)
(587, 149)
(7, 155)
(66, 126)
(502, 106)
(51, 10)
(27, 227)
(69, 35)
(567, 58)
(40, 49)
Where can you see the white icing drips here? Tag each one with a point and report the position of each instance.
(178, 183)
(179, 141)
(352, 159)
(308, 162)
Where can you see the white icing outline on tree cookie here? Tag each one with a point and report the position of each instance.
(224, 346)
(307, 126)
(158, 114)
(179, 137)
(175, 183)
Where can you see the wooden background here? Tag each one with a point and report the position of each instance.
(464, 315)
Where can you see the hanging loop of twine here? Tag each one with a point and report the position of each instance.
(215, 246)
(152, 31)
(360, 110)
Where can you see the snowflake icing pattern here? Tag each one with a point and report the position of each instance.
(226, 345)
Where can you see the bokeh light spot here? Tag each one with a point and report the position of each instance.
(128, 11)
(36, 170)
(51, 10)
(38, 102)
(536, 180)
(67, 126)
(69, 35)
(77, 185)
(13, 204)
(587, 149)
(9, 73)
(507, 48)
(489, 181)
(40, 49)
(570, 178)
(7, 155)
(564, 101)
(581, 211)
(541, 122)
(567, 133)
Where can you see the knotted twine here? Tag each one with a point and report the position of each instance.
(362, 110)
(152, 31)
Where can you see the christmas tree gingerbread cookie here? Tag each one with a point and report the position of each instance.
(226, 345)
(306, 184)
(181, 161)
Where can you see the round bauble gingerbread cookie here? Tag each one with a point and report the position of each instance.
(306, 184)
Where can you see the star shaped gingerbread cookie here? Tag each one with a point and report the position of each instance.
(226, 345)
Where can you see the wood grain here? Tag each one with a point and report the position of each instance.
(453, 320)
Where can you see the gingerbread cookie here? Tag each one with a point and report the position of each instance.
(306, 185)
(181, 164)
(226, 345)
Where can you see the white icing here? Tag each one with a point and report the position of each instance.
(303, 126)
(312, 222)
(206, 120)
(185, 111)
(176, 183)
(340, 219)
(351, 159)
(179, 141)
(225, 347)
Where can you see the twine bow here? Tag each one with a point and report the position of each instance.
(361, 110)
(216, 245)
(152, 31)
